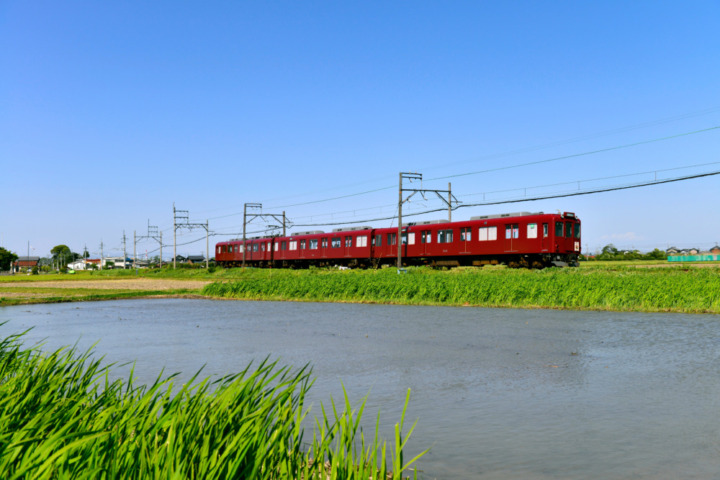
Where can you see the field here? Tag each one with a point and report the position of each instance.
(614, 286)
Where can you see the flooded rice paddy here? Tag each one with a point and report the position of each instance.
(498, 393)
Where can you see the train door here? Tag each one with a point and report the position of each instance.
(465, 238)
(323, 247)
(512, 234)
(425, 242)
(392, 244)
(545, 242)
(347, 246)
(408, 238)
(559, 234)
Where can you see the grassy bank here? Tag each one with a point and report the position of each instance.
(617, 286)
(664, 289)
(61, 417)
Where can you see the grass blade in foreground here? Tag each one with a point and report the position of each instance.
(60, 417)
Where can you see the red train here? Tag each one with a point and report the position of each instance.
(530, 240)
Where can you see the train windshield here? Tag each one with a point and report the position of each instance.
(577, 230)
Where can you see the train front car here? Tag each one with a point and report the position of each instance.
(566, 238)
(526, 240)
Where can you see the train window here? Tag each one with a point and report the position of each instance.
(391, 238)
(324, 243)
(465, 234)
(577, 230)
(410, 240)
(335, 242)
(313, 244)
(377, 240)
(302, 244)
(559, 229)
(568, 230)
(283, 245)
(486, 234)
(293, 244)
(445, 236)
(255, 247)
(512, 231)
(426, 236)
(348, 242)
(361, 241)
(241, 248)
(219, 249)
(262, 247)
(532, 230)
(545, 230)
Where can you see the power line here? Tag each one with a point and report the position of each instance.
(575, 155)
(496, 169)
(529, 199)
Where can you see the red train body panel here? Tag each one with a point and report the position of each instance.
(519, 240)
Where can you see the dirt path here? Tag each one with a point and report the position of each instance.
(114, 284)
(13, 293)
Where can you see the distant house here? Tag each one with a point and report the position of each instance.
(76, 265)
(180, 259)
(195, 259)
(672, 251)
(117, 262)
(715, 250)
(85, 264)
(25, 263)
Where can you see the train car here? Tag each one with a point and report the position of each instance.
(524, 239)
(344, 246)
(257, 251)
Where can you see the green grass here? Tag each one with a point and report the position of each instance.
(61, 417)
(618, 286)
(661, 289)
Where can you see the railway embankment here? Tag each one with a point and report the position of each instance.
(662, 289)
(624, 287)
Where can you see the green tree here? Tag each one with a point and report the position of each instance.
(6, 259)
(62, 254)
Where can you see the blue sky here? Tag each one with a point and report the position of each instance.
(111, 112)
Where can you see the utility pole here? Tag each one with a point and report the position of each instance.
(185, 215)
(417, 176)
(152, 233)
(245, 207)
(102, 256)
(124, 251)
(253, 216)
(410, 176)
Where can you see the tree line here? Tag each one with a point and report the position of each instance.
(610, 252)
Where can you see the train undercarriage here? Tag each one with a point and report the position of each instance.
(535, 261)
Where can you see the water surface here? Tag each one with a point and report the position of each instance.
(498, 393)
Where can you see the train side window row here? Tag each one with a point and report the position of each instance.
(485, 234)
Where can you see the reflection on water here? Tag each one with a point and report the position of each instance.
(499, 393)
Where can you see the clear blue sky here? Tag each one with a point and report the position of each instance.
(112, 111)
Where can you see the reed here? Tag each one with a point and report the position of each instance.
(668, 289)
(61, 417)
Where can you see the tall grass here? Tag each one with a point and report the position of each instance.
(613, 288)
(61, 417)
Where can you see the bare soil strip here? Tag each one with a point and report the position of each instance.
(119, 284)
